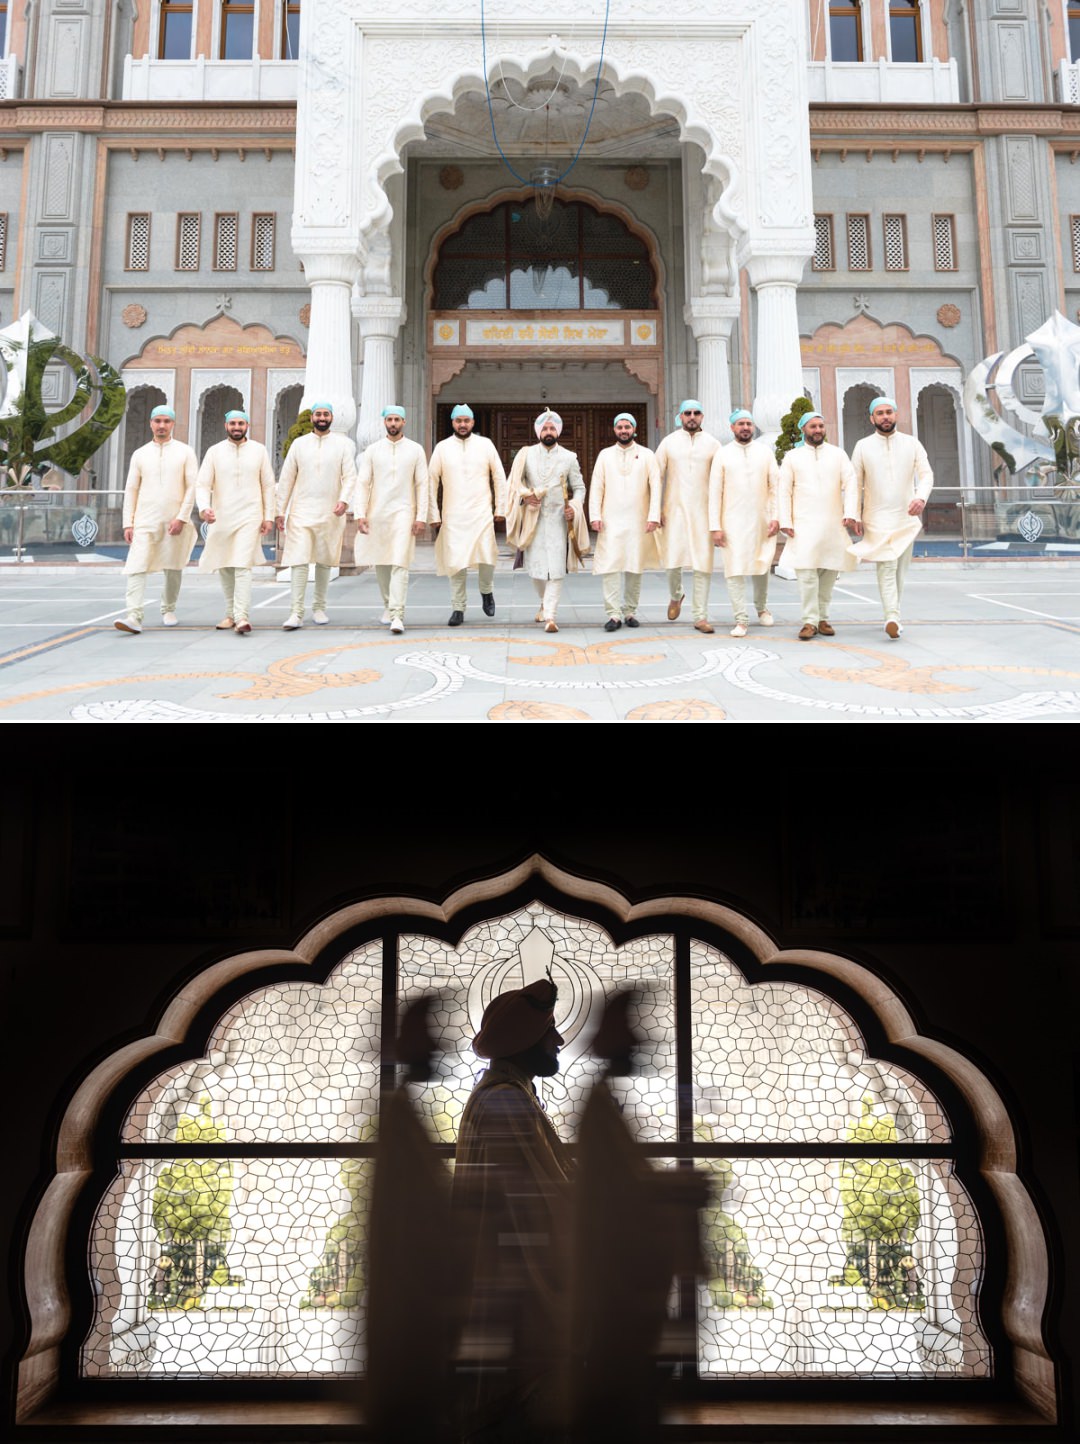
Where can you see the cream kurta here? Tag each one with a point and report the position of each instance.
(236, 483)
(160, 489)
(817, 489)
(742, 503)
(538, 469)
(468, 469)
(891, 471)
(319, 472)
(625, 496)
(684, 460)
(391, 495)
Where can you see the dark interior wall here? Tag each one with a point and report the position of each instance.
(970, 910)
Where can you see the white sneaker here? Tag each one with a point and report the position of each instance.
(765, 619)
(292, 624)
(738, 630)
(397, 625)
(386, 619)
(130, 623)
(168, 619)
(320, 618)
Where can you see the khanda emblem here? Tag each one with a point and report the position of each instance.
(31, 436)
(1055, 447)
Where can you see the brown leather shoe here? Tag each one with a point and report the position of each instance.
(826, 629)
(550, 627)
(706, 627)
(808, 631)
(892, 629)
(674, 608)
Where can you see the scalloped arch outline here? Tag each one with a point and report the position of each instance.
(841, 326)
(242, 327)
(1027, 1273)
(579, 68)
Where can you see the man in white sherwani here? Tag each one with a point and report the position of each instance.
(234, 493)
(317, 479)
(390, 507)
(546, 479)
(158, 499)
(469, 471)
(684, 459)
(624, 511)
(743, 517)
(819, 499)
(895, 482)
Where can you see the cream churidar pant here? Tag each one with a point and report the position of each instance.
(892, 471)
(468, 472)
(160, 489)
(392, 495)
(817, 489)
(236, 483)
(625, 497)
(318, 473)
(742, 504)
(684, 460)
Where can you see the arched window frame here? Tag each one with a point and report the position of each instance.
(905, 11)
(1015, 1243)
(847, 10)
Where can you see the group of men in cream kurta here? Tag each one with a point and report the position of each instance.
(675, 509)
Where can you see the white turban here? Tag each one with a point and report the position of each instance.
(545, 416)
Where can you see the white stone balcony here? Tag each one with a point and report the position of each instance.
(1069, 83)
(9, 78)
(885, 82)
(203, 79)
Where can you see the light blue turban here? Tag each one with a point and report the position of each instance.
(393, 411)
(740, 415)
(321, 406)
(691, 406)
(625, 416)
(881, 401)
(459, 411)
(166, 411)
(810, 415)
(237, 416)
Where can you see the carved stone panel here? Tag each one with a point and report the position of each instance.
(1020, 186)
(1014, 61)
(56, 204)
(65, 44)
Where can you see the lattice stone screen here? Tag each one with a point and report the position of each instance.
(895, 229)
(3, 240)
(858, 242)
(138, 242)
(226, 241)
(944, 243)
(262, 242)
(823, 244)
(188, 230)
(840, 1241)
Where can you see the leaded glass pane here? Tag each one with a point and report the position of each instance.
(511, 951)
(230, 1268)
(296, 1062)
(618, 285)
(551, 288)
(608, 235)
(482, 235)
(776, 1062)
(534, 235)
(840, 1268)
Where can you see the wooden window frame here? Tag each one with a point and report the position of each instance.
(861, 216)
(902, 218)
(1072, 12)
(860, 37)
(220, 216)
(951, 219)
(255, 218)
(899, 11)
(288, 7)
(171, 7)
(181, 216)
(236, 7)
(828, 217)
(131, 217)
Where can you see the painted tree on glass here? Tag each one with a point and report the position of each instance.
(337, 1280)
(734, 1282)
(880, 1200)
(191, 1207)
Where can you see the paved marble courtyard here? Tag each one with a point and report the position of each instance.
(982, 644)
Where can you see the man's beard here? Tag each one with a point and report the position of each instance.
(320, 425)
(885, 428)
(815, 441)
(629, 441)
(549, 441)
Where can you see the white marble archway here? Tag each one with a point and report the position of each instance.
(734, 85)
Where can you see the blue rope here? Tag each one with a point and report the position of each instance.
(491, 112)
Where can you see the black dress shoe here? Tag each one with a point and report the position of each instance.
(612, 625)
(631, 621)
(488, 600)
(456, 619)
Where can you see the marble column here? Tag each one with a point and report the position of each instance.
(711, 319)
(329, 356)
(380, 319)
(779, 378)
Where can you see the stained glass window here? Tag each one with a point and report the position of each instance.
(840, 1240)
(513, 257)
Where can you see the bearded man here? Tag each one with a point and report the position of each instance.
(234, 493)
(743, 517)
(546, 492)
(468, 470)
(158, 498)
(390, 507)
(684, 459)
(317, 478)
(818, 500)
(895, 482)
(624, 511)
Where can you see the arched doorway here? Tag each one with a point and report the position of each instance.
(856, 414)
(141, 400)
(286, 410)
(937, 418)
